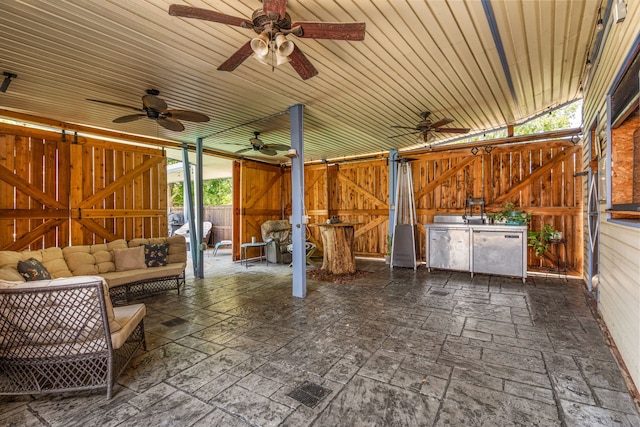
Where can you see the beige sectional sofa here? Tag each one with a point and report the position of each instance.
(108, 261)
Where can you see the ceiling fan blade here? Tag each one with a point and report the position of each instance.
(404, 134)
(439, 123)
(190, 116)
(268, 151)
(275, 6)
(332, 30)
(115, 104)
(208, 15)
(129, 118)
(237, 58)
(153, 102)
(170, 123)
(244, 150)
(452, 130)
(302, 65)
(279, 147)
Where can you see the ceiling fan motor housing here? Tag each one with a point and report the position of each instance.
(261, 23)
(151, 113)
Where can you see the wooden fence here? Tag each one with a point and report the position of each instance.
(220, 216)
(537, 177)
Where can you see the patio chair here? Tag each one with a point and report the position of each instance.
(221, 243)
(206, 232)
(65, 337)
(277, 235)
(309, 249)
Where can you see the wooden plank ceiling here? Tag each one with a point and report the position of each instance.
(433, 55)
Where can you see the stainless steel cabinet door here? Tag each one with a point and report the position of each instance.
(449, 249)
(498, 252)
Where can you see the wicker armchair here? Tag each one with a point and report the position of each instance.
(57, 337)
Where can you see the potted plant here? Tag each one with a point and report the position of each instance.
(387, 254)
(510, 215)
(539, 240)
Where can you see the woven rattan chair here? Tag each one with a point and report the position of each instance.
(56, 338)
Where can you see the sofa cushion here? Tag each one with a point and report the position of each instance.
(53, 260)
(119, 278)
(155, 255)
(80, 260)
(177, 251)
(32, 270)
(9, 266)
(104, 254)
(129, 258)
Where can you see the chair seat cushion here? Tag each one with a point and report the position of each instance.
(128, 316)
(119, 278)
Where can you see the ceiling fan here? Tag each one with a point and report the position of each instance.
(156, 109)
(273, 24)
(258, 145)
(426, 125)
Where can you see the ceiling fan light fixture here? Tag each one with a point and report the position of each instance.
(263, 59)
(285, 47)
(260, 44)
(281, 59)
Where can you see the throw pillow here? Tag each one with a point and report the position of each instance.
(155, 255)
(32, 269)
(129, 258)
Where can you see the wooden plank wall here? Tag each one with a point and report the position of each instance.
(537, 177)
(59, 190)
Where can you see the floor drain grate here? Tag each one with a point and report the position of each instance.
(440, 293)
(309, 394)
(174, 322)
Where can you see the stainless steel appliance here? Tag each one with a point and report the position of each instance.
(500, 251)
(477, 248)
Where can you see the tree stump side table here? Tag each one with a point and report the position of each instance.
(337, 239)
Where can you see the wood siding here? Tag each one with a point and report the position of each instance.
(57, 191)
(620, 290)
(619, 250)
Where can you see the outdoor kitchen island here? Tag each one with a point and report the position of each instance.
(477, 248)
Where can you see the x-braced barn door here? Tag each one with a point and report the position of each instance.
(260, 199)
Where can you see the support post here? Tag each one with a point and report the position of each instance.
(298, 217)
(393, 178)
(197, 242)
(188, 202)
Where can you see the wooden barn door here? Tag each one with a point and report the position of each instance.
(359, 192)
(117, 192)
(34, 191)
(537, 177)
(58, 190)
(260, 199)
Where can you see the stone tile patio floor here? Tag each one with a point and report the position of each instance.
(395, 348)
